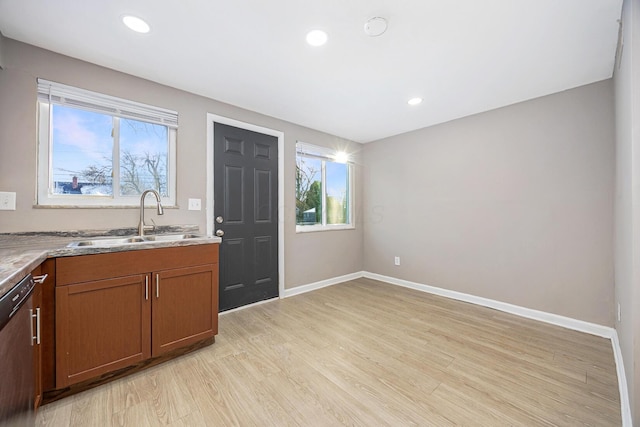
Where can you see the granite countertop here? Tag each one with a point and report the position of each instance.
(20, 253)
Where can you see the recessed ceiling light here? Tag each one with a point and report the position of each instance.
(316, 37)
(136, 24)
(415, 101)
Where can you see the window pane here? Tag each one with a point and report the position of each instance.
(81, 152)
(143, 157)
(85, 150)
(337, 176)
(308, 191)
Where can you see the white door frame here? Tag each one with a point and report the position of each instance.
(214, 118)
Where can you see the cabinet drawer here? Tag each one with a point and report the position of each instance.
(84, 268)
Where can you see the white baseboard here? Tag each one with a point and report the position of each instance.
(625, 405)
(554, 319)
(542, 316)
(321, 284)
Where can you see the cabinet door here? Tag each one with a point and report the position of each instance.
(101, 326)
(47, 324)
(185, 307)
(36, 321)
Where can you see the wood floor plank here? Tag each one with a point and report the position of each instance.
(214, 394)
(366, 353)
(123, 394)
(55, 415)
(141, 414)
(91, 407)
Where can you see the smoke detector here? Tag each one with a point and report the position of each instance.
(375, 26)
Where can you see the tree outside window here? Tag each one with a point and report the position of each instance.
(323, 188)
(83, 146)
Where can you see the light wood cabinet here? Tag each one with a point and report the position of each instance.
(118, 309)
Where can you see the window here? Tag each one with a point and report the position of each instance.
(324, 188)
(97, 150)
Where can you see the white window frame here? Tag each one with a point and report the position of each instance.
(55, 93)
(326, 154)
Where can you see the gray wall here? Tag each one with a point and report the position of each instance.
(627, 203)
(309, 257)
(514, 205)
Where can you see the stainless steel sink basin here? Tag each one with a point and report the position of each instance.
(170, 237)
(107, 241)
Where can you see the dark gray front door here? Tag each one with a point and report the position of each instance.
(246, 210)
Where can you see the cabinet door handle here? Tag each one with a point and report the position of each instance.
(36, 316)
(146, 288)
(31, 316)
(38, 325)
(40, 279)
(157, 286)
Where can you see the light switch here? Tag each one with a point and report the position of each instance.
(194, 205)
(7, 201)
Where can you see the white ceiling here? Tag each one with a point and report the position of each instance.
(461, 56)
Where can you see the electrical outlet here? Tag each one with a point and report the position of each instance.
(619, 313)
(397, 260)
(194, 205)
(7, 201)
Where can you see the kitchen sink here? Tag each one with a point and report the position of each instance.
(170, 237)
(107, 241)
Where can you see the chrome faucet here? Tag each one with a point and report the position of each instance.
(141, 225)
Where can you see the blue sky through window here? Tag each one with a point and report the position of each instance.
(337, 180)
(83, 146)
(80, 139)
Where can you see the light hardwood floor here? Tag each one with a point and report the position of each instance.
(371, 354)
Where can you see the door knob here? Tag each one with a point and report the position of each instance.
(219, 233)
(219, 219)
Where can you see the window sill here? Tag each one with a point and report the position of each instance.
(316, 228)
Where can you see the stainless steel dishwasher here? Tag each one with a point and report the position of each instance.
(17, 378)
